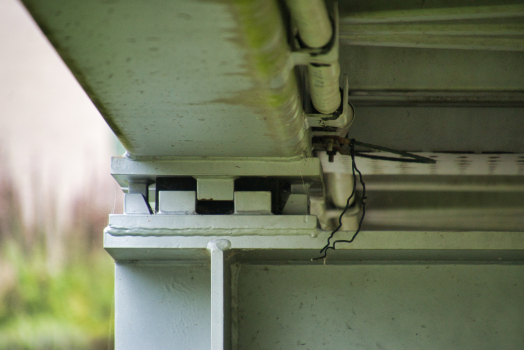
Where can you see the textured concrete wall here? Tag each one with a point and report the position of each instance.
(162, 306)
(388, 306)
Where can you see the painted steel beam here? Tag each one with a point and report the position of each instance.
(496, 27)
(124, 169)
(370, 245)
(183, 78)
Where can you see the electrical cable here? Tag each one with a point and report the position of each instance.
(354, 168)
(409, 158)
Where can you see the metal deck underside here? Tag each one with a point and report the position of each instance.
(212, 78)
(185, 78)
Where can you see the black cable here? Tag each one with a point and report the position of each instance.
(363, 204)
(394, 151)
(402, 160)
(409, 157)
(362, 201)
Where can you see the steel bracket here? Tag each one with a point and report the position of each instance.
(341, 119)
(302, 56)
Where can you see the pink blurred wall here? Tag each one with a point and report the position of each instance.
(54, 143)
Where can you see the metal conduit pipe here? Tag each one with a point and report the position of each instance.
(324, 87)
(315, 29)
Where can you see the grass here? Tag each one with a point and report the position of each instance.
(66, 309)
(54, 299)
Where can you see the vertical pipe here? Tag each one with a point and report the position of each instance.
(315, 30)
(338, 188)
(324, 87)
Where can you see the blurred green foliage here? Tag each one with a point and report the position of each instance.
(66, 309)
(56, 283)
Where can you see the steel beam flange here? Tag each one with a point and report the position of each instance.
(220, 294)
